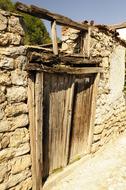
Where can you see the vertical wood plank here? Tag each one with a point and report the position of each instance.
(54, 37)
(39, 128)
(31, 106)
(68, 120)
(93, 110)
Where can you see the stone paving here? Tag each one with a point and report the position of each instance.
(105, 171)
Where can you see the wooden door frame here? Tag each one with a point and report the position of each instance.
(35, 99)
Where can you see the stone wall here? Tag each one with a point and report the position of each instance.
(110, 118)
(15, 159)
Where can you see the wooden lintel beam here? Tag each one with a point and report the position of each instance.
(45, 14)
(50, 58)
(62, 69)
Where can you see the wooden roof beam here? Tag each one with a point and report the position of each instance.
(45, 14)
(117, 26)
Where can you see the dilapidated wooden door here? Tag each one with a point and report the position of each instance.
(62, 111)
(66, 119)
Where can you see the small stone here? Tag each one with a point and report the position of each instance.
(4, 39)
(6, 154)
(20, 62)
(98, 129)
(5, 141)
(23, 149)
(15, 39)
(4, 126)
(6, 62)
(5, 78)
(18, 137)
(16, 94)
(15, 25)
(16, 109)
(15, 179)
(3, 22)
(4, 169)
(1, 112)
(19, 121)
(2, 97)
(20, 164)
(13, 51)
(19, 77)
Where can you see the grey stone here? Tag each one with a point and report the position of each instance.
(15, 25)
(20, 62)
(6, 62)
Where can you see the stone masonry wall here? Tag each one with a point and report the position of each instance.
(15, 159)
(110, 119)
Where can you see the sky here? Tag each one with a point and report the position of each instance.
(101, 11)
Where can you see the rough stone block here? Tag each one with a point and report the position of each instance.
(18, 137)
(6, 62)
(19, 121)
(15, 25)
(16, 109)
(5, 141)
(16, 94)
(22, 150)
(3, 22)
(6, 154)
(4, 40)
(2, 97)
(13, 51)
(5, 78)
(15, 179)
(19, 164)
(19, 77)
(20, 62)
(4, 126)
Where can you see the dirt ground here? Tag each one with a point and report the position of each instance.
(105, 171)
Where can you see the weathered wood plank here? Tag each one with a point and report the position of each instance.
(81, 117)
(117, 26)
(62, 69)
(93, 110)
(45, 14)
(39, 128)
(54, 37)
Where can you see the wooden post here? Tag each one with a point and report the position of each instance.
(39, 128)
(35, 99)
(54, 37)
(31, 106)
